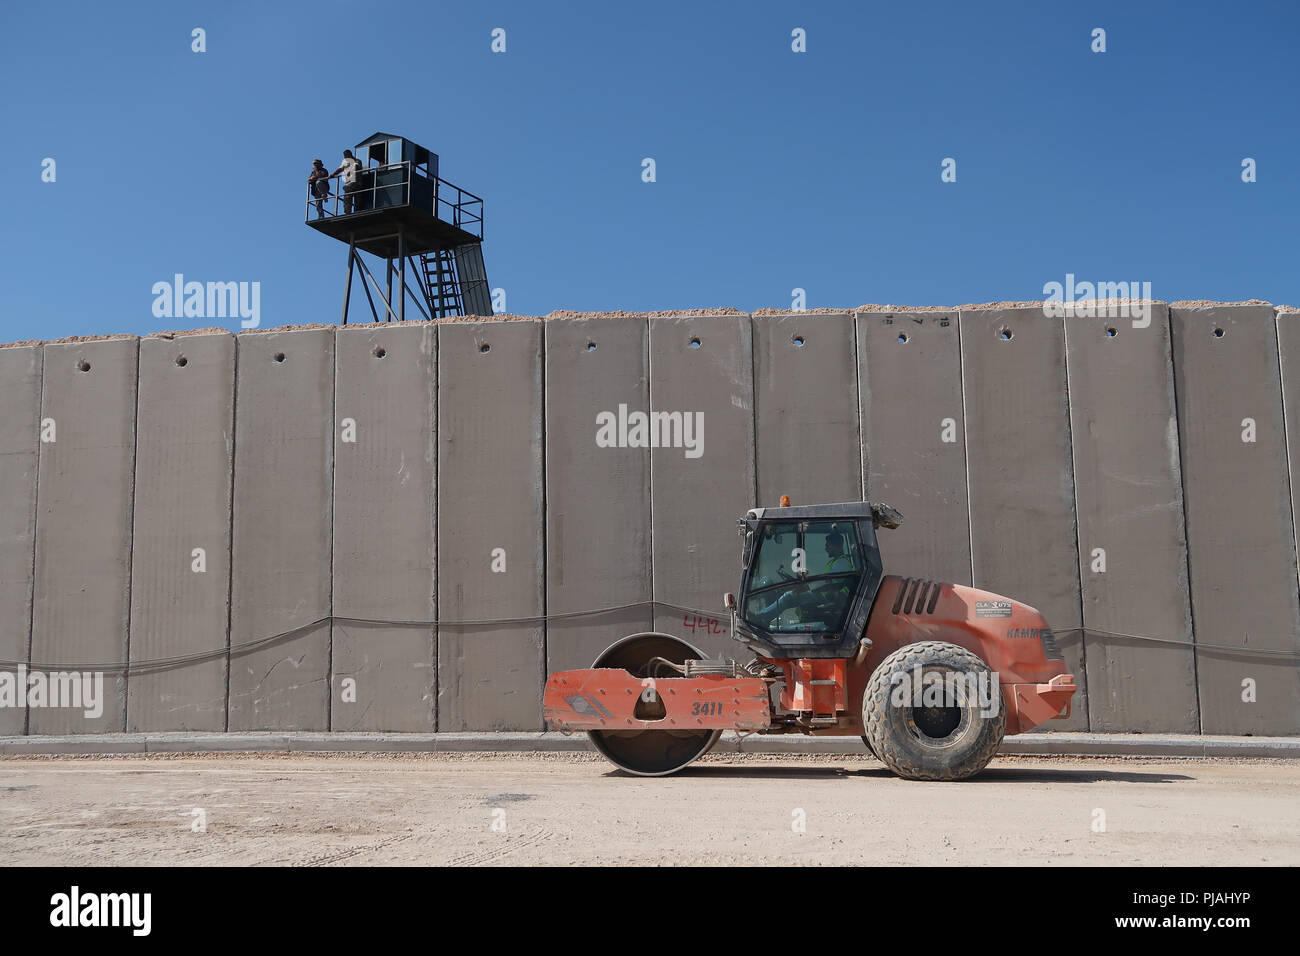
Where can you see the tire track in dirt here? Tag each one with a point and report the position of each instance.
(493, 854)
(331, 858)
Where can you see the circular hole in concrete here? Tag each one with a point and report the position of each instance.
(1110, 332)
(1218, 333)
(695, 342)
(279, 356)
(379, 351)
(591, 346)
(485, 347)
(798, 341)
(1006, 335)
(83, 366)
(182, 361)
(902, 338)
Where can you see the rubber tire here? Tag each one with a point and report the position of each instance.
(870, 749)
(893, 736)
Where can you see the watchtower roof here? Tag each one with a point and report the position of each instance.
(379, 138)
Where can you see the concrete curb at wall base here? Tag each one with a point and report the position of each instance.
(1036, 744)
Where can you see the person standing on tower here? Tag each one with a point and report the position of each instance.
(319, 184)
(349, 168)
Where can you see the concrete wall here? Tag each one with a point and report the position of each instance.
(385, 538)
(20, 384)
(914, 439)
(1288, 342)
(807, 436)
(281, 581)
(702, 366)
(1132, 542)
(1021, 478)
(597, 493)
(350, 487)
(491, 549)
(180, 571)
(84, 499)
(1240, 531)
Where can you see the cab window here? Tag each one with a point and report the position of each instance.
(804, 576)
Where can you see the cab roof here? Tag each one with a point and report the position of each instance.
(878, 512)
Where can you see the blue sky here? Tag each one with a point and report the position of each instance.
(775, 169)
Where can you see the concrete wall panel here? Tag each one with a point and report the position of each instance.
(806, 408)
(184, 446)
(490, 493)
(83, 523)
(1240, 532)
(282, 526)
(701, 365)
(914, 439)
(20, 386)
(385, 546)
(1288, 343)
(1023, 536)
(1128, 486)
(597, 495)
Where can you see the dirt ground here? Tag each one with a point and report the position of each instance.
(563, 809)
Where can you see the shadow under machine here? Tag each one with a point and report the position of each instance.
(400, 211)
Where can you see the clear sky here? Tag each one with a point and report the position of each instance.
(775, 170)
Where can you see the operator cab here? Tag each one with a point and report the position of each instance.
(810, 577)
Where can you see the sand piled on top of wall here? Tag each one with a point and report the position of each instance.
(1287, 308)
(1122, 300)
(1039, 303)
(874, 307)
(690, 313)
(502, 317)
(1010, 303)
(290, 328)
(22, 344)
(171, 334)
(570, 314)
(660, 314)
(801, 311)
(1211, 304)
(73, 339)
(375, 326)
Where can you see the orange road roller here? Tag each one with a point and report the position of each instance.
(930, 675)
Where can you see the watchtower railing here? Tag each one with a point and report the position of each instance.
(393, 185)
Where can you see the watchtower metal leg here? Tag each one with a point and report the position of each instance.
(420, 294)
(388, 297)
(365, 272)
(347, 288)
(374, 313)
(401, 275)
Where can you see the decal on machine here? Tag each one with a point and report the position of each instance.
(1029, 633)
(992, 608)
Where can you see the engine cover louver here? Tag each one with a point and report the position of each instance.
(917, 596)
(1050, 649)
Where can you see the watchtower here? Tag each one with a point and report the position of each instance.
(396, 208)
